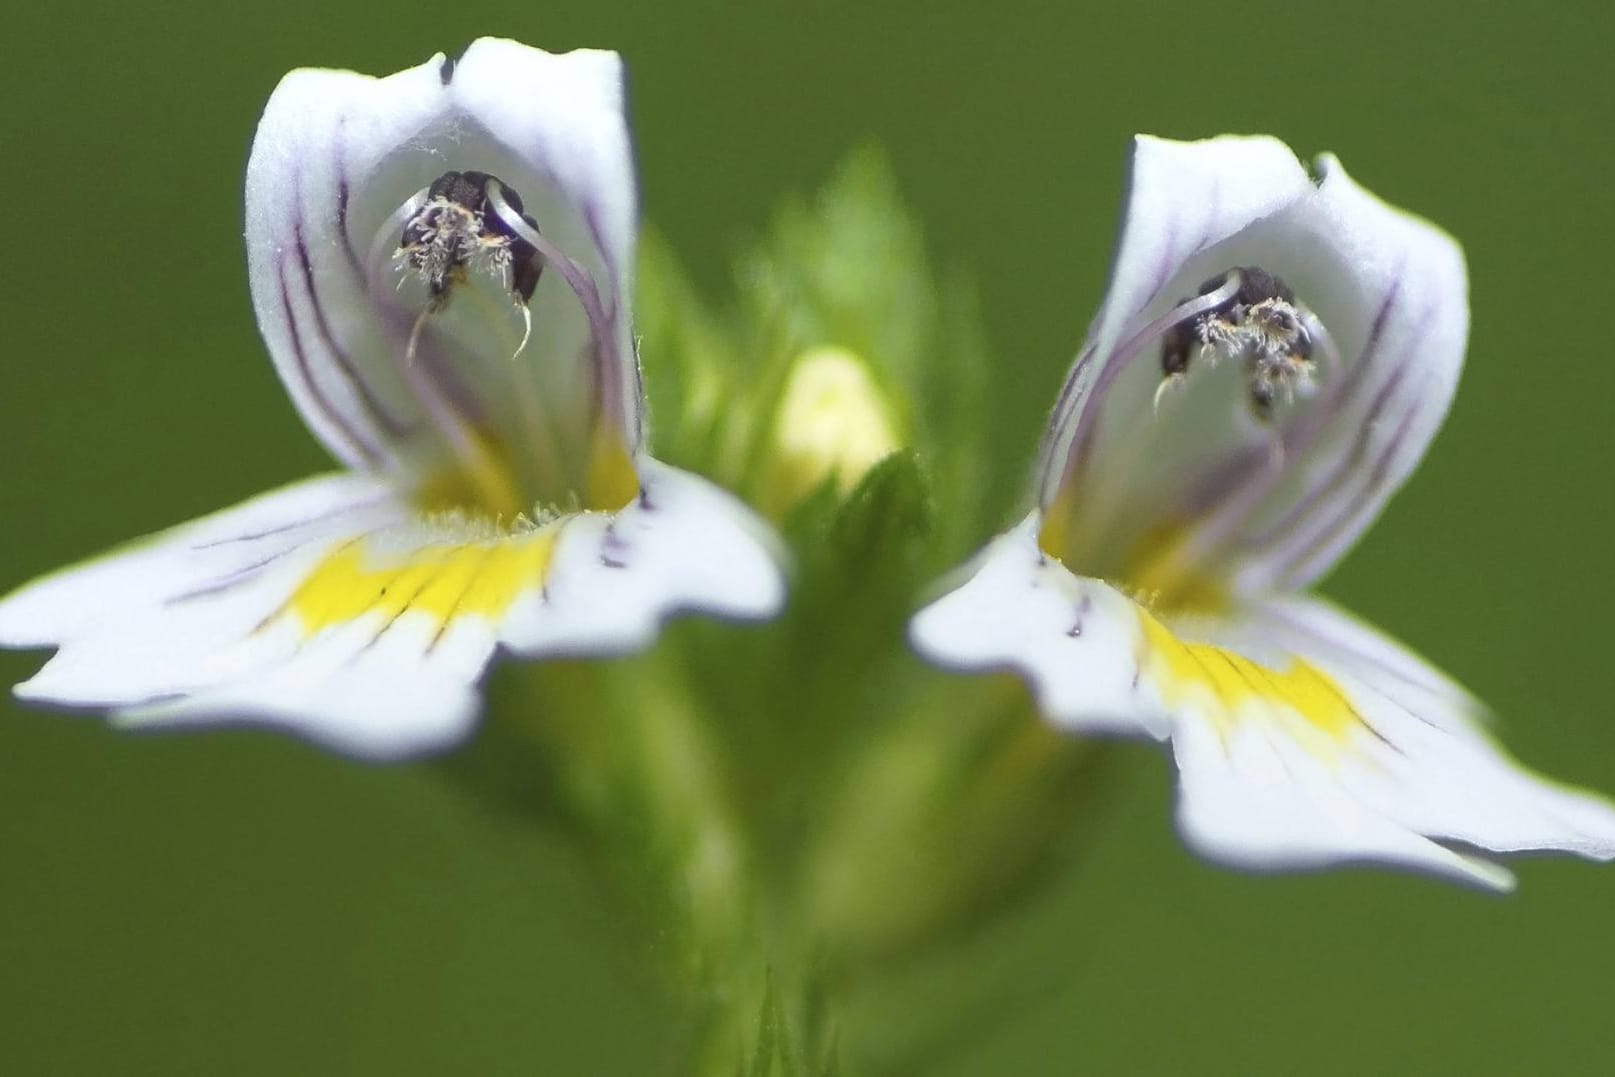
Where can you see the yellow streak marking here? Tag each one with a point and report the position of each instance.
(1230, 686)
(443, 582)
(492, 477)
(1156, 569)
(484, 479)
(1055, 535)
(1157, 572)
(612, 481)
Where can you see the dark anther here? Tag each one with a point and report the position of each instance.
(1260, 321)
(1179, 342)
(1256, 284)
(457, 226)
(1176, 345)
(526, 265)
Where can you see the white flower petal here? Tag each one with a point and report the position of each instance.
(1303, 738)
(1075, 640)
(334, 611)
(375, 694)
(684, 545)
(1347, 646)
(1183, 199)
(192, 558)
(340, 608)
(1390, 764)
(1402, 328)
(178, 641)
(1197, 488)
(330, 608)
(307, 264)
(565, 120)
(1260, 802)
(337, 154)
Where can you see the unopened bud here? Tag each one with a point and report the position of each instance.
(832, 425)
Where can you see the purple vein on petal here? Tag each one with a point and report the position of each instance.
(1219, 481)
(610, 374)
(230, 580)
(1293, 624)
(350, 373)
(1327, 539)
(1090, 416)
(281, 529)
(344, 192)
(430, 353)
(1344, 469)
(346, 430)
(1288, 535)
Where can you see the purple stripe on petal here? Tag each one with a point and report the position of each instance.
(344, 193)
(1292, 623)
(1327, 540)
(345, 430)
(1350, 386)
(597, 236)
(432, 355)
(1300, 545)
(1058, 419)
(280, 529)
(1376, 334)
(228, 582)
(377, 410)
(1291, 530)
(1340, 473)
(1068, 389)
(1121, 356)
(611, 380)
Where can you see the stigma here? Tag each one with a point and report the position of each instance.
(1256, 322)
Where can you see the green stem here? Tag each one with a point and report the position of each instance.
(770, 935)
(643, 781)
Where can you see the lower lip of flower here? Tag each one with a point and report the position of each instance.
(470, 573)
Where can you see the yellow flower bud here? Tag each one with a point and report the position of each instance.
(832, 424)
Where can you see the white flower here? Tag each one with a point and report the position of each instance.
(440, 263)
(1271, 360)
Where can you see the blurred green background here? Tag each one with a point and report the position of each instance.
(238, 903)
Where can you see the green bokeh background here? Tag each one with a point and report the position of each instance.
(238, 903)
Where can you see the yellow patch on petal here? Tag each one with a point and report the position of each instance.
(612, 481)
(1158, 571)
(443, 581)
(1229, 687)
(484, 480)
(1054, 534)
(1160, 575)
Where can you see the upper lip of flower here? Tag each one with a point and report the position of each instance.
(343, 164)
(1302, 736)
(1386, 294)
(499, 492)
